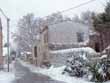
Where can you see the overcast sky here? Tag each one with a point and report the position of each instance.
(15, 9)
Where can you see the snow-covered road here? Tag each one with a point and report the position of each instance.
(24, 75)
(56, 74)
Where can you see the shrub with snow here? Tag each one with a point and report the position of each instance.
(99, 72)
(80, 66)
(76, 65)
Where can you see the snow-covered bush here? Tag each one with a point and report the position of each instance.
(76, 65)
(98, 71)
(59, 57)
(81, 66)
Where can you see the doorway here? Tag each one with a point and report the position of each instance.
(35, 54)
(97, 47)
(35, 51)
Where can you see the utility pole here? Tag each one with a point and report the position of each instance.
(8, 42)
(8, 36)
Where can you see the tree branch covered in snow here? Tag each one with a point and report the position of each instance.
(27, 31)
(29, 26)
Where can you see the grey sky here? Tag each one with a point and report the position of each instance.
(17, 8)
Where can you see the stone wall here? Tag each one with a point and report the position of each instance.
(41, 57)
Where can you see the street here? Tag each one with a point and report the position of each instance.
(24, 75)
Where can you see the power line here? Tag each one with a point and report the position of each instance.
(73, 8)
(82, 4)
(3, 13)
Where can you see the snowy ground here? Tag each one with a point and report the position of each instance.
(55, 73)
(6, 77)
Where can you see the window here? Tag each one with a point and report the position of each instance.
(80, 37)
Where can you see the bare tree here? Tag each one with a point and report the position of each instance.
(55, 18)
(28, 28)
(27, 32)
(86, 17)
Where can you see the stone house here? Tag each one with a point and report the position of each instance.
(68, 34)
(64, 35)
(40, 48)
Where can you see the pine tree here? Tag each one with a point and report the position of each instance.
(104, 17)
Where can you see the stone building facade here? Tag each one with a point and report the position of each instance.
(40, 49)
(68, 34)
(65, 34)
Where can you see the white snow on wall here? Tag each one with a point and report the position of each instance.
(59, 57)
(85, 49)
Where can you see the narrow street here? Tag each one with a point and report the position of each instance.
(24, 75)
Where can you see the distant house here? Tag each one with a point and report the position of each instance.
(1, 46)
(68, 34)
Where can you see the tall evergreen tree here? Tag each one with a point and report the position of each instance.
(104, 17)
